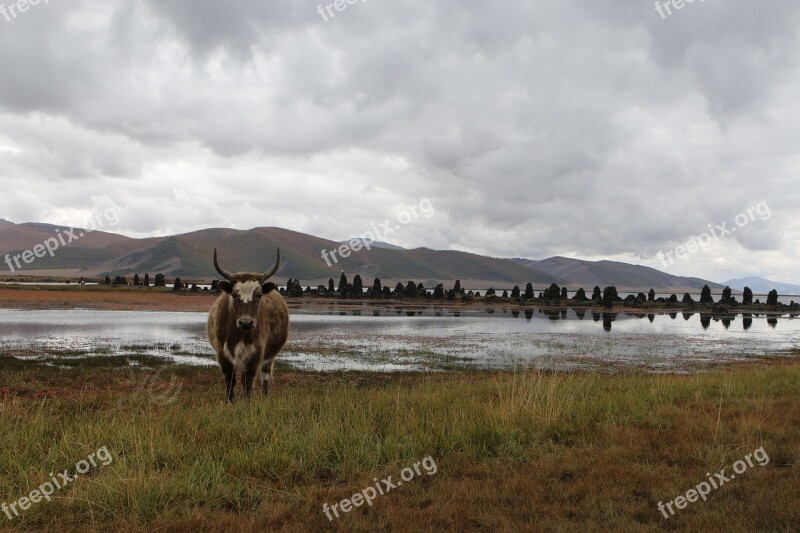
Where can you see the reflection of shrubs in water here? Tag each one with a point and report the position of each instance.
(608, 318)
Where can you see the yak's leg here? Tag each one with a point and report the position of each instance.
(249, 377)
(266, 374)
(230, 377)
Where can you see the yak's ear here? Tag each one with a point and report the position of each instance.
(225, 285)
(267, 288)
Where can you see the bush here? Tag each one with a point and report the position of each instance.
(772, 297)
(705, 295)
(610, 296)
(358, 287)
(747, 296)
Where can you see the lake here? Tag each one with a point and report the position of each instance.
(558, 340)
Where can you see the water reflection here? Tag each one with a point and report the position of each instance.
(370, 341)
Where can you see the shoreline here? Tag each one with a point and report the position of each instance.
(164, 299)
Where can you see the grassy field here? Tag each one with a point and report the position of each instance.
(529, 451)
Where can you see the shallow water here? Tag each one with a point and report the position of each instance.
(558, 340)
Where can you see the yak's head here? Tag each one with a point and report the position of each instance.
(246, 290)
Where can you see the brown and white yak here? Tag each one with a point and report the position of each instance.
(248, 325)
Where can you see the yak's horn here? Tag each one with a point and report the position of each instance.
(225, 274)
(267, 275)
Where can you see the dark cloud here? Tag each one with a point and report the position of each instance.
(595, 129)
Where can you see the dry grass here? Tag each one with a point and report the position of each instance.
(528, 451)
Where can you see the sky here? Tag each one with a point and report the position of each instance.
(595, 129)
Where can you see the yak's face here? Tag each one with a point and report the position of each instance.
(246, 293)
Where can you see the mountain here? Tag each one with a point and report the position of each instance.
(4, 222)
(624, 276)
(86, 248)
(189, 256)
(378, 244)
(763, 286)
(314, 260)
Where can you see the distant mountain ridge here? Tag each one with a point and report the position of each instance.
(377, 244)
(763, 286)
(601, 273)
(188, 255)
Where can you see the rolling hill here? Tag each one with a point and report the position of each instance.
(622, 275)
(189, 256)
(762, 286)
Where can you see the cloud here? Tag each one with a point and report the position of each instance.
(572, 128)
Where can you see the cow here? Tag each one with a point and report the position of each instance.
(247, 326)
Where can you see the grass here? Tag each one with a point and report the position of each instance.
(527, 451)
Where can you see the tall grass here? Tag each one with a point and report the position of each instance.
(322, 435)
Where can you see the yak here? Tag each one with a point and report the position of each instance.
(247, 326)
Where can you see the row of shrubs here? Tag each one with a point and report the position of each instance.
(159, 280)
(553, 293)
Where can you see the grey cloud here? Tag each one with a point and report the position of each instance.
(583, 127)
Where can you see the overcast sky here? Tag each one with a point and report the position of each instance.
(587, 128)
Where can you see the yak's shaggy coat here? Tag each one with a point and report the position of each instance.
(248, 325)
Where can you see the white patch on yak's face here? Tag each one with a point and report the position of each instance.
(247, 290)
